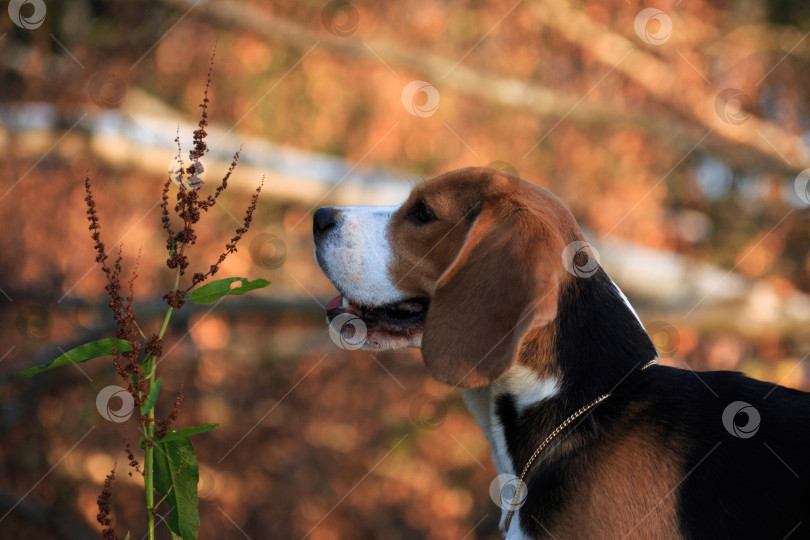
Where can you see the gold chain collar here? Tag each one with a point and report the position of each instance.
(548, 440)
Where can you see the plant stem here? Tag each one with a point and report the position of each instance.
(149, 459)
(139, 330)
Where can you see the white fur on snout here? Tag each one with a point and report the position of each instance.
(358, 254)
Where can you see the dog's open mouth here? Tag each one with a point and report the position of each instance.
(398, 324)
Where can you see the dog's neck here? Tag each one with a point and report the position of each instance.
(595, 342)
(526, 388)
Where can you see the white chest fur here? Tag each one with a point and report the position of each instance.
(527, 389)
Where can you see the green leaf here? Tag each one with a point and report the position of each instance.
(182, 433)
(222, 287)
(127, 536)
(184, 516)
(152, 398)
(82, 353)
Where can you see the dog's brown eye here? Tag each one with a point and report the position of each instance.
(422, 214)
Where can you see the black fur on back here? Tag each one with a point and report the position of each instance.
(732, 487)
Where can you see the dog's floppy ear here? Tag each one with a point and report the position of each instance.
(503, 283)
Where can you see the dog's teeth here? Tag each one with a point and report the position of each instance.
(345, 303)
(415, 307)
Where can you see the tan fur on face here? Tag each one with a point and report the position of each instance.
(423, 253)
(491, 263)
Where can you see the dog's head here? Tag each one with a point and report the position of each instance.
(468, 266)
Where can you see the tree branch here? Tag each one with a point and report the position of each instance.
(740, 146)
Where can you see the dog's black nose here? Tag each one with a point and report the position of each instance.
(323, 221)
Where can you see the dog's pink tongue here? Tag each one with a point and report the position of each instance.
(334, 303)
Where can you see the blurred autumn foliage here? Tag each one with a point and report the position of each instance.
(690, 140)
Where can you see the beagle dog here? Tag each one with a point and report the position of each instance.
(490, 276)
